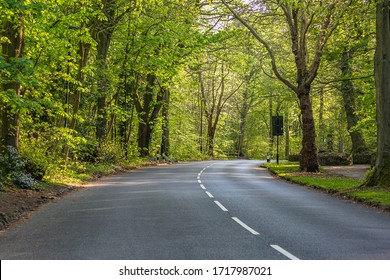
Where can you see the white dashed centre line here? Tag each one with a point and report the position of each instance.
(199, 181)
(248, 228)
(220, 206)
(284, 252)
(203, 187)
(209, 194)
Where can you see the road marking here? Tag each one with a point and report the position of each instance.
(209, 194)
(203, 187)
(220, 206)
(248, 228)
(284, 252)
(199, 181)
(198, 177)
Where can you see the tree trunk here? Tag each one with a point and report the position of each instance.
(147, 113)
(348, 92)
(11, 50)
(144, 138)
(243, 111)
(165, 124)
(211, 129)
(103, 30)
(271, 138)
(309, 158)
(101, 121)
(380, 175)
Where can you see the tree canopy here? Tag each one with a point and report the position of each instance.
(113, 81)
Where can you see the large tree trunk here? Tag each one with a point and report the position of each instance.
(211, 129)
(12, 49)
(103, 41)
(147, 113)
(380, 175)
(144, 138)
(309, 158)
(348, 92)
(103, 30)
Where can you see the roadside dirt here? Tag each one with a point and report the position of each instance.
(352, 171)
(17, 204)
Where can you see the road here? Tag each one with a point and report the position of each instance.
(199, 210)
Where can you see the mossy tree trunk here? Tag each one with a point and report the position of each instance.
(380, 175)
(349, 93)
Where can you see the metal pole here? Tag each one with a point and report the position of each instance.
(277, 149)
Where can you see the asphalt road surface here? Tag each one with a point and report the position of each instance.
(199, 210)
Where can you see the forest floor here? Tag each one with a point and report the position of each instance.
(18, 204)
(352, 171)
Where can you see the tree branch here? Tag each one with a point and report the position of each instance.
(265, 44)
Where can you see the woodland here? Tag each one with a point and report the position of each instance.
(85, 83)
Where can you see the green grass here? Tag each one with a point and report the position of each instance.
(345, 187)
(78, 173)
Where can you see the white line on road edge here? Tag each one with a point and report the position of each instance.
(203, 187)
(248, 228)
(220, 206)
(284, 252)
(209, 194)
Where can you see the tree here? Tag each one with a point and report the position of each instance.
(380, 174)
(310, 26)
(12, 37)
(348, 51)
(102, 30)
(217, 87)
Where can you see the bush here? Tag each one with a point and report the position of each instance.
(294, 158)
(23, 180)
(363, 158)
(111, 153)
(35, 169)
(334, 159)
(13, 169)
(327, 159)
(88, 152)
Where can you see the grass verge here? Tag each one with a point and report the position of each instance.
(347, 188)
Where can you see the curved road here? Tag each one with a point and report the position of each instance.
(199, 210)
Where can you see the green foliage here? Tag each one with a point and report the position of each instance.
(15, 169)
(112, 153)
(172, 41)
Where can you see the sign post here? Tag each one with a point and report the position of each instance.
(277, 130)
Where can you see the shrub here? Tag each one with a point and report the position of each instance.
(334, 159)
(327, 158)
(35, 169)
(111, 153)
(13, 169)
(23, 180)
(363, 158)
(88, 152)
(294, 158)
